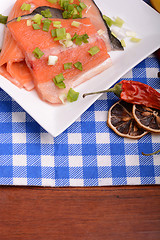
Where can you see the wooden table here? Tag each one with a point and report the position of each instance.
(101, 213)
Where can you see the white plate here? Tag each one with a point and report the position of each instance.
(139, 17)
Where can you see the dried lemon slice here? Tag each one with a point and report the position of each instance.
(121, 121)
(147, 118)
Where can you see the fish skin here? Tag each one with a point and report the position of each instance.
(56, 13)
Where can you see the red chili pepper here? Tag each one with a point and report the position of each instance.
(135, 92)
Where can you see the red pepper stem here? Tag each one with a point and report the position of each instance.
(117, 89)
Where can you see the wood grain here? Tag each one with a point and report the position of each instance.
(102, 213)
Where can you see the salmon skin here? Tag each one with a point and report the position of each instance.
(55, 12)
(21, 67)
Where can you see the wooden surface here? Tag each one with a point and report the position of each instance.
(112, 213)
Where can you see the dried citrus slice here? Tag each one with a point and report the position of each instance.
(147, 118)
(121, 121)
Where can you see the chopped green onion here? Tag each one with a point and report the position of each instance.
(114, 34)
(68, 36)
(108, 20)
(3, 19)
(18, 19)
(29, 23)
(123, 43)
(26, 7)
(94, 50)
(79, 39)
(58, 80)
(85, 37)
(46, 13)
(38, 53)
(52, 60)
(57, 24)
(52, 1)
(60, 33)
(78, 65)
(37, 18)
(36, 26)
(74, 37)
(53, 33)
(66, 43)
(67, 65)
(82, 5)
(118, 22)
(46, 25)
(75, 24)
(134, 39)
(72, 96)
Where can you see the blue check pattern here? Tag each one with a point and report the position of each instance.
(88, 153)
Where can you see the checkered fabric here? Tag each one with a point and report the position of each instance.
(88, 153)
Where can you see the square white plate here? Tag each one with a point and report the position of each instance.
(55, 119)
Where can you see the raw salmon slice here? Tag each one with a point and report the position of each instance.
(28, 39)
(12, 60)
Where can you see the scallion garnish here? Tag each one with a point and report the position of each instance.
(52, 60)
(53, 33)
(18, 19)
(46, 24)
(60, 33)
(37, 53)
(57, 24)
(72, 96)
(46, 13)
(26, 7)
(37, 18)
(75, 24)
(36, 26)
(94, 50)
(82, 5)
(52, 1)
(78, 65)
(58, 80)
(67, 65)
(134, 39)
(79, 39)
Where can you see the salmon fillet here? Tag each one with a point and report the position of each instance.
(12, 60)
(43, 74)
(18, 64)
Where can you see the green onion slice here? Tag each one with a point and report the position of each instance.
(26, 7)
(57, 24)
(58, 80)
(60, 33)
(67, 65)
(72, 96)
(18, 19)
(78, 65)
(37, 18)
(46, 25)
(52, 1)
(46, 13)
(37, 53)
(94, 50)
(36, 26)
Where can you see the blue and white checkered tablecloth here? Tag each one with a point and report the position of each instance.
(88, 153)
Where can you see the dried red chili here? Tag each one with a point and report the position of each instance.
(135, 92)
